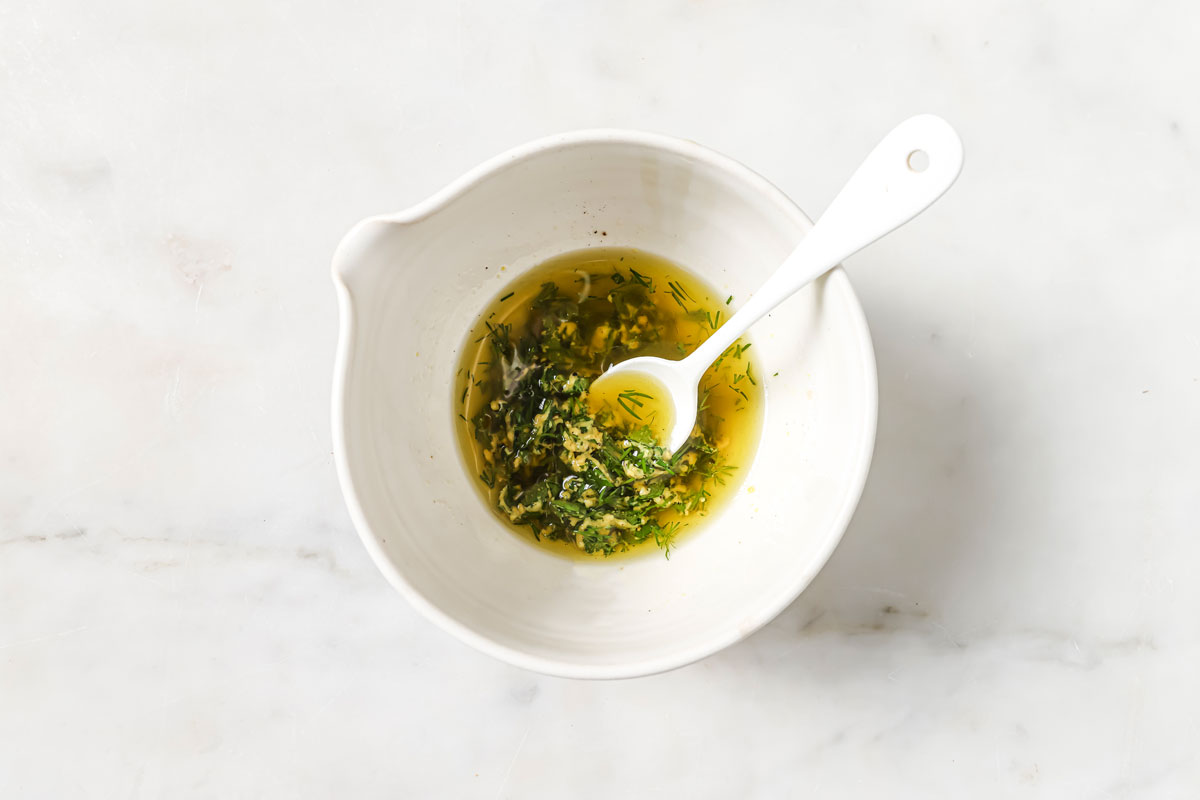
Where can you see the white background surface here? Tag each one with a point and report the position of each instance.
(185, 610)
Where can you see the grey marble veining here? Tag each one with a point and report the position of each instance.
(185, 610)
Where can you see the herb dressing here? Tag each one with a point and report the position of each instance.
(584, 471)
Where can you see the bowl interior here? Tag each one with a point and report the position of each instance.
(412, 285)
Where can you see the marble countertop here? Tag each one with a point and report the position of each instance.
(185, 609)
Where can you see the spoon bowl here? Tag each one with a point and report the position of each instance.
(677, 378)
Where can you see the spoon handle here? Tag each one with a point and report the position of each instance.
(912, 167)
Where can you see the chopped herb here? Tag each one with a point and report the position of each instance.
(717, 364)
(554, 465)
(641, 279)
(510, 294)
(729, 300)
(631, 398)
(679, 294)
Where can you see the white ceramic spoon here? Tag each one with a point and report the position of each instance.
(913, 166)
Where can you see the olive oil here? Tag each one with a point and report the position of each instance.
(634, 399)
(558, 327)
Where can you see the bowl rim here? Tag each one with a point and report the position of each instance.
(346, 341)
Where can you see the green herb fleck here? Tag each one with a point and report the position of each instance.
(679, 294)
(641, 279)
(630, 399)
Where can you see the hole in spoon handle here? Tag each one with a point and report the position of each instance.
(906, 172)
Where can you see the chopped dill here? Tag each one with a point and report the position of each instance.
(641, 279)
(555, 464)
(631, 398)
(679, 294)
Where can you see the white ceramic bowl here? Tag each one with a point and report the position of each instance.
(411, 284)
